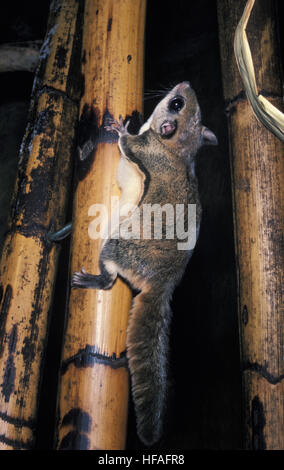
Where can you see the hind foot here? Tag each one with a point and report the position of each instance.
(91, 281)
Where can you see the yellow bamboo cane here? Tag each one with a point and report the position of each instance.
(28, 264)
(93, 397)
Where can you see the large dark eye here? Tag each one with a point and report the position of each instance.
(176, 104)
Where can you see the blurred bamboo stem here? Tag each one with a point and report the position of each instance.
(19, 56)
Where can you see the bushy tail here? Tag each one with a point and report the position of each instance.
(147, 346)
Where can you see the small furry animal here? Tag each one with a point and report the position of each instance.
(156, 167)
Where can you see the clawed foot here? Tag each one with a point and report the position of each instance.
(82, 279)
(119, 127)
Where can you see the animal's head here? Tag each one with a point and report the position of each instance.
(177, 121)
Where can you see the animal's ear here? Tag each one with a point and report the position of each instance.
(208, 137)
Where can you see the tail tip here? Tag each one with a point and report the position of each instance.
(148, 434)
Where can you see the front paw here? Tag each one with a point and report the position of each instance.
(119, 127)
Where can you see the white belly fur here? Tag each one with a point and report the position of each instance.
(130, 179)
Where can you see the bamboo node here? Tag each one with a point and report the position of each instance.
(88, 356)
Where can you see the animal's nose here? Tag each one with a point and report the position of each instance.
(184, 85)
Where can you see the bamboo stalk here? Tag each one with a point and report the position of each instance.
(93, 396)
(257, 177)
(28, 264)
(19, 56)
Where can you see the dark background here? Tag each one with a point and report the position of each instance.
(205, 391)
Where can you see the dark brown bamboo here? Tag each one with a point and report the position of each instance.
(257, 177)
(28, 264)
(93, 397)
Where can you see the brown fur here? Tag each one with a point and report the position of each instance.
(153, 267)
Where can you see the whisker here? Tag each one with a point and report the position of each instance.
(154, 92)
(162, 91)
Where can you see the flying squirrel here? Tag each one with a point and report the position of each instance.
(156, 167)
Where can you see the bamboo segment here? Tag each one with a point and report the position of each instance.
(257, 166)
(28, 264)
(93, 398)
